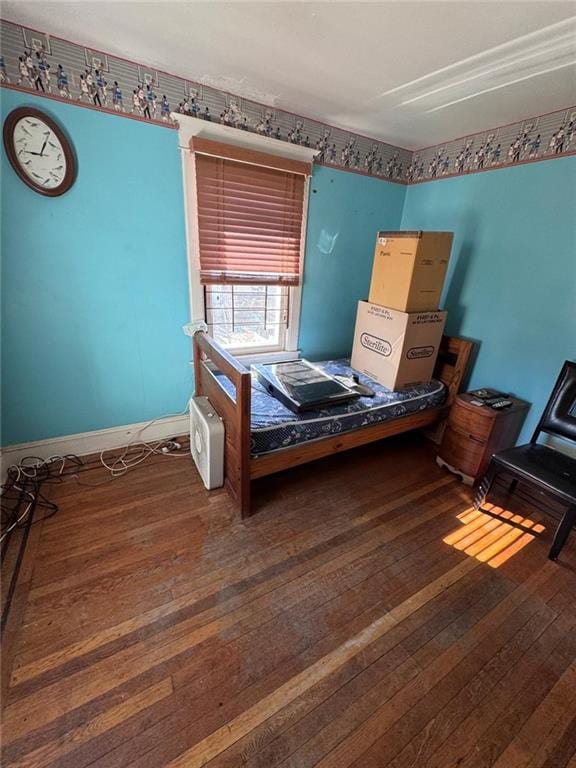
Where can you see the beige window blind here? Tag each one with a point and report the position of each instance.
(250, 213)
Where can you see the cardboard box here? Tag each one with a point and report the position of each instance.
(396, 348)
(409, 270)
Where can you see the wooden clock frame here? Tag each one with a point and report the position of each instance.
(8, 133)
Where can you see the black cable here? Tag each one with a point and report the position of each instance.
(23, 490)
(20, 498)
(16, 571)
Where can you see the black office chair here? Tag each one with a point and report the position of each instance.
(552, 471)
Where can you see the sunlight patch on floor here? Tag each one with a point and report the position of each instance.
(493, 540)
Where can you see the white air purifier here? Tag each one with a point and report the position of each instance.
(207, 442)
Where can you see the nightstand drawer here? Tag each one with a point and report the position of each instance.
(470, 422)
(468, 435)
(462, 451)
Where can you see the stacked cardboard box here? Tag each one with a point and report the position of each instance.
(399, 329)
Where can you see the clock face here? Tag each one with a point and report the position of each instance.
(39, 151)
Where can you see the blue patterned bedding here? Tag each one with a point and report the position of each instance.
(274, 426)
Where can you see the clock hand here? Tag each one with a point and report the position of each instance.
(43, 147)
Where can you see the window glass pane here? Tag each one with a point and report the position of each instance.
(277, 317)
(244, 300)
(247, 316)
(218, 299)
(245, 337)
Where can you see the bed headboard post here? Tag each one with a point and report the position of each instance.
(234, 411)
(453, 359)
(197, 363)
(244, 399)
(451, 367)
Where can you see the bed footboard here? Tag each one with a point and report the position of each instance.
(209, 358)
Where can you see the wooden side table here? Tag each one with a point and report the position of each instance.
(473, 433)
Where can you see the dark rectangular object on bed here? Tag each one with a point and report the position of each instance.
(301, 386)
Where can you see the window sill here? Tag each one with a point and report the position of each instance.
(268, 357)
(265, 357)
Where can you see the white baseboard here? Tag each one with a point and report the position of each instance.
(93, 442)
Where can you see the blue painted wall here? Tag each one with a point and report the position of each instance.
(512, 278)
(346, 210)
(94, 283)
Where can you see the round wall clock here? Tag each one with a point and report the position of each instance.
(39, 151)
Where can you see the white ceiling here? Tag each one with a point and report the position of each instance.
(412, 73)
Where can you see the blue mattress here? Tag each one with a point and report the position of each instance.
(274, 426)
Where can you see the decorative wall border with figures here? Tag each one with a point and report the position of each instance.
(54, 68)
(49, 66)
(538, 138)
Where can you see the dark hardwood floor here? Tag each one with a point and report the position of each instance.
(366, 616)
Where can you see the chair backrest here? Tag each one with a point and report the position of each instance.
(559, 417)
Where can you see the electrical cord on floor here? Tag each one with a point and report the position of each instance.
(21, 493)
(122, 463)
(119, 465)
(21, 496)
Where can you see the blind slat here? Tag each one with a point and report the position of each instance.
(247, 183)
(211, 199)
(245, 215)
(262, 247)
(256, 230)
(249, 222)
(218, 262)
(262, 228)
(243, 278)
(246, 178)
(242, 218)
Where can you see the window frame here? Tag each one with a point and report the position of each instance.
(264, 349)
(196, 288)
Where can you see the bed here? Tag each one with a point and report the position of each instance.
(264, 437)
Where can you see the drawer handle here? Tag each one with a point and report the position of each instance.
(476, 439)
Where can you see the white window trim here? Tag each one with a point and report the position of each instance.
(189, 127)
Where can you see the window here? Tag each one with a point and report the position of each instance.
(249, 224)
(248, 318)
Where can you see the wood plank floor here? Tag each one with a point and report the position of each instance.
(366, 616)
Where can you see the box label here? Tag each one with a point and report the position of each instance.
(417, 353)
(380, 312)
(376, 344)
(428, 318)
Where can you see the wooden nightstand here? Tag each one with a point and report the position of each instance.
(473, 433)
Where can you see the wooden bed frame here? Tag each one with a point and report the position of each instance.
(240, 469)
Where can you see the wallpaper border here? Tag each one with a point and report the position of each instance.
(41, 64)
(502, 167)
